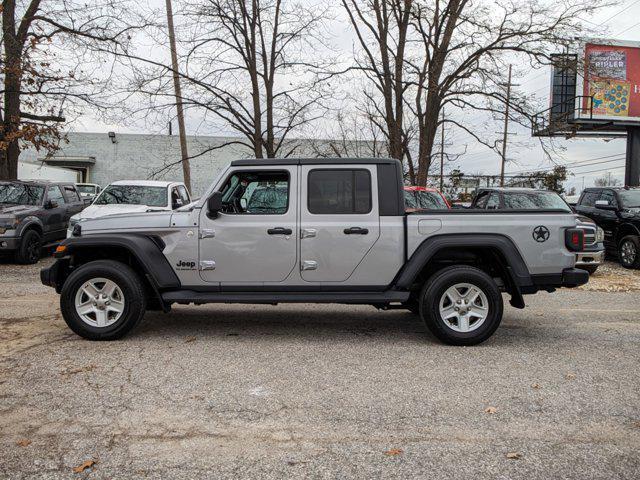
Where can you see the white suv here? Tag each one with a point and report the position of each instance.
(134, 196)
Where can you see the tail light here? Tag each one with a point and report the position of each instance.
(574, 239)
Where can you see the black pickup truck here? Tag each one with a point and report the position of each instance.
(617, 211)
(33, 214)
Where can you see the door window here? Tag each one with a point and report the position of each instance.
(609, 197)
(256, 193)
(494, 202)
(184, 195)
(589, 198)
(71, 194)
(55, 195)
(339, 191)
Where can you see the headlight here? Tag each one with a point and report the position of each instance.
(8, 224)
(599, 235)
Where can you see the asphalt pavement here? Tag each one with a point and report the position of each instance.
(320, 391)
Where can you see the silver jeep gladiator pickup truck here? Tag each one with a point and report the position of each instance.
(313, 230)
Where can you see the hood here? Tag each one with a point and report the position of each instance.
(96, 211)
(127, 221)
(18, 209)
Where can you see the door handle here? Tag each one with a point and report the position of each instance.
(356, 231)
(279, 231)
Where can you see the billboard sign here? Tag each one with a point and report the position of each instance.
(611, 77)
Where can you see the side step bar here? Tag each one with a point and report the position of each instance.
(366, 298)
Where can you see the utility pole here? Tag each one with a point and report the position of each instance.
(505, 132)
(442, 151)
(186, 168)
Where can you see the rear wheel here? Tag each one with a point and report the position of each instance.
(30, 247)
(103, 300)
(629, 252)
(461, 305)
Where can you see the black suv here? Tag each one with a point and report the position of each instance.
(617, 211)
(35, 213)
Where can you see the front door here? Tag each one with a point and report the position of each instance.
(253, 239)
(55, 221)
(339, 221)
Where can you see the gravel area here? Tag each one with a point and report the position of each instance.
(321, 391)
(611, 277)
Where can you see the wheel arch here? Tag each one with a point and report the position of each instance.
(31, 223)
(625, 230)
(493, 253)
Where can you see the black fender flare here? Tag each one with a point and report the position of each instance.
(29, 222)
(515, 267)
(626, 226)
(146, 250)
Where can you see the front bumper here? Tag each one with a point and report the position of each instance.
(589, 258)
(9, 244)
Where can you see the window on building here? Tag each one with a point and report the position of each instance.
(339, 191)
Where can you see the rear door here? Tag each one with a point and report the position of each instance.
(339, 220)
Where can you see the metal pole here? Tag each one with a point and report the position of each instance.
(632, 164)
(186, 168)
(506, 130)
(442, 150)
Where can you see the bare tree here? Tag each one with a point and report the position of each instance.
(45, 43)
(421, 55)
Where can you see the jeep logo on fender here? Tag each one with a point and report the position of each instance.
(182, 265)
(541, 234)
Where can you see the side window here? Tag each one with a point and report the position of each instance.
(71, 194)
(481, 200)
(609, 197)
(339, 191)
(494, 202)
(55, 194)
(184, 195)
(256, 193)
(176, 202)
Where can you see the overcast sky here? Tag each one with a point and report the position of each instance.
(598, 156)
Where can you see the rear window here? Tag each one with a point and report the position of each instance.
(424, 200)
(339, 191)
(534, 201)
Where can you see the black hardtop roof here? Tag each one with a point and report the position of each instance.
(311, 161)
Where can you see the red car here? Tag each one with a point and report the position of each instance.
(424, 198)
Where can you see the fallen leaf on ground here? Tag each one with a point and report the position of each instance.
(23, 443)
(81, 468)
(514, 455)
(393, 451)
(570, 376)
(190, 339)
(535, 385)
(490, 410)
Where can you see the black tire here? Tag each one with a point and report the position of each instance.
(435, 289)
(589, 268)
(629, 252)
(129, 283)
(30, 248)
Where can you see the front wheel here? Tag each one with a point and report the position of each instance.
(461, 305)
(629, 252)
(30, 248)
(103, 300)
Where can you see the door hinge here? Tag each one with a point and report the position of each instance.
(308, 232)
(309, 265)
(207, 265)
(207, 233)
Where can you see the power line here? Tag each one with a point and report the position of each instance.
(578, 163)
(600, 170)
(621, 11)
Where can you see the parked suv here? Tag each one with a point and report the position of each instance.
(34, 213)
(617, 211)
(505, 198)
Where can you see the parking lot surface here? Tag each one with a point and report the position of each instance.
(322, 391)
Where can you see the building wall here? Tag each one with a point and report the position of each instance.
(142, 156)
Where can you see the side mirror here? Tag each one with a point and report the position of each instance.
(214, 204)
(49, 204)
(604, 205)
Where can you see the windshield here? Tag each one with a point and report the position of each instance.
(16, 193)
(424, 200)
(133, 195)
(534, 201)
(86, 188)
(629, 198)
